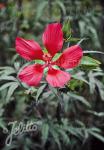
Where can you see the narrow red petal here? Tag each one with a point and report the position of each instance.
(53, 38)
(70, 58)
(57, 78)
(32, 74)
(28, 49)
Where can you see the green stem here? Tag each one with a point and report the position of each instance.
(60, 106)
(93, 52)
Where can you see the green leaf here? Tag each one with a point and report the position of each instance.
(89, 62)
(8, 78)
(2, 123)
(7, 70)
(56, 137)
(74, 84)
(91, 82)
(97, 135)
(82, 25)
(74, 131)
(11, 90)
(40, 90)
(64, 136)
(100, 86)
(6, 85)
(72, 39)
(98, 114)
(94, 129)
(79, 98)
(61, 6)
(80, 76)
(45, 132)
(40, 9)
(67, 29)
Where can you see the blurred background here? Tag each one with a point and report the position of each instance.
(28, 18)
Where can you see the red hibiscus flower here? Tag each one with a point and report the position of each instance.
(53, 41)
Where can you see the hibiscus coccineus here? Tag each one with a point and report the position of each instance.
(53, 41)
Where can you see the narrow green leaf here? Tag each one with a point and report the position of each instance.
(64, 136)
(80, 98)
(80, 76)
(98, 136)
(98, 114)
(40, 9)
(88, 61)
(67, 30)
(74, 131)
(11, 90)
(6, 85)
(45, 132)
(61, 6)
(8, 78)
(100, 86)
(39, 92)
(56, 137)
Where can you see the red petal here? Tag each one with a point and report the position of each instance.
(70, 57)
(57, 78)
(28, 49)
(31, 75)
(53, 38)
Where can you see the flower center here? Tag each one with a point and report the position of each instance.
(47, 58)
